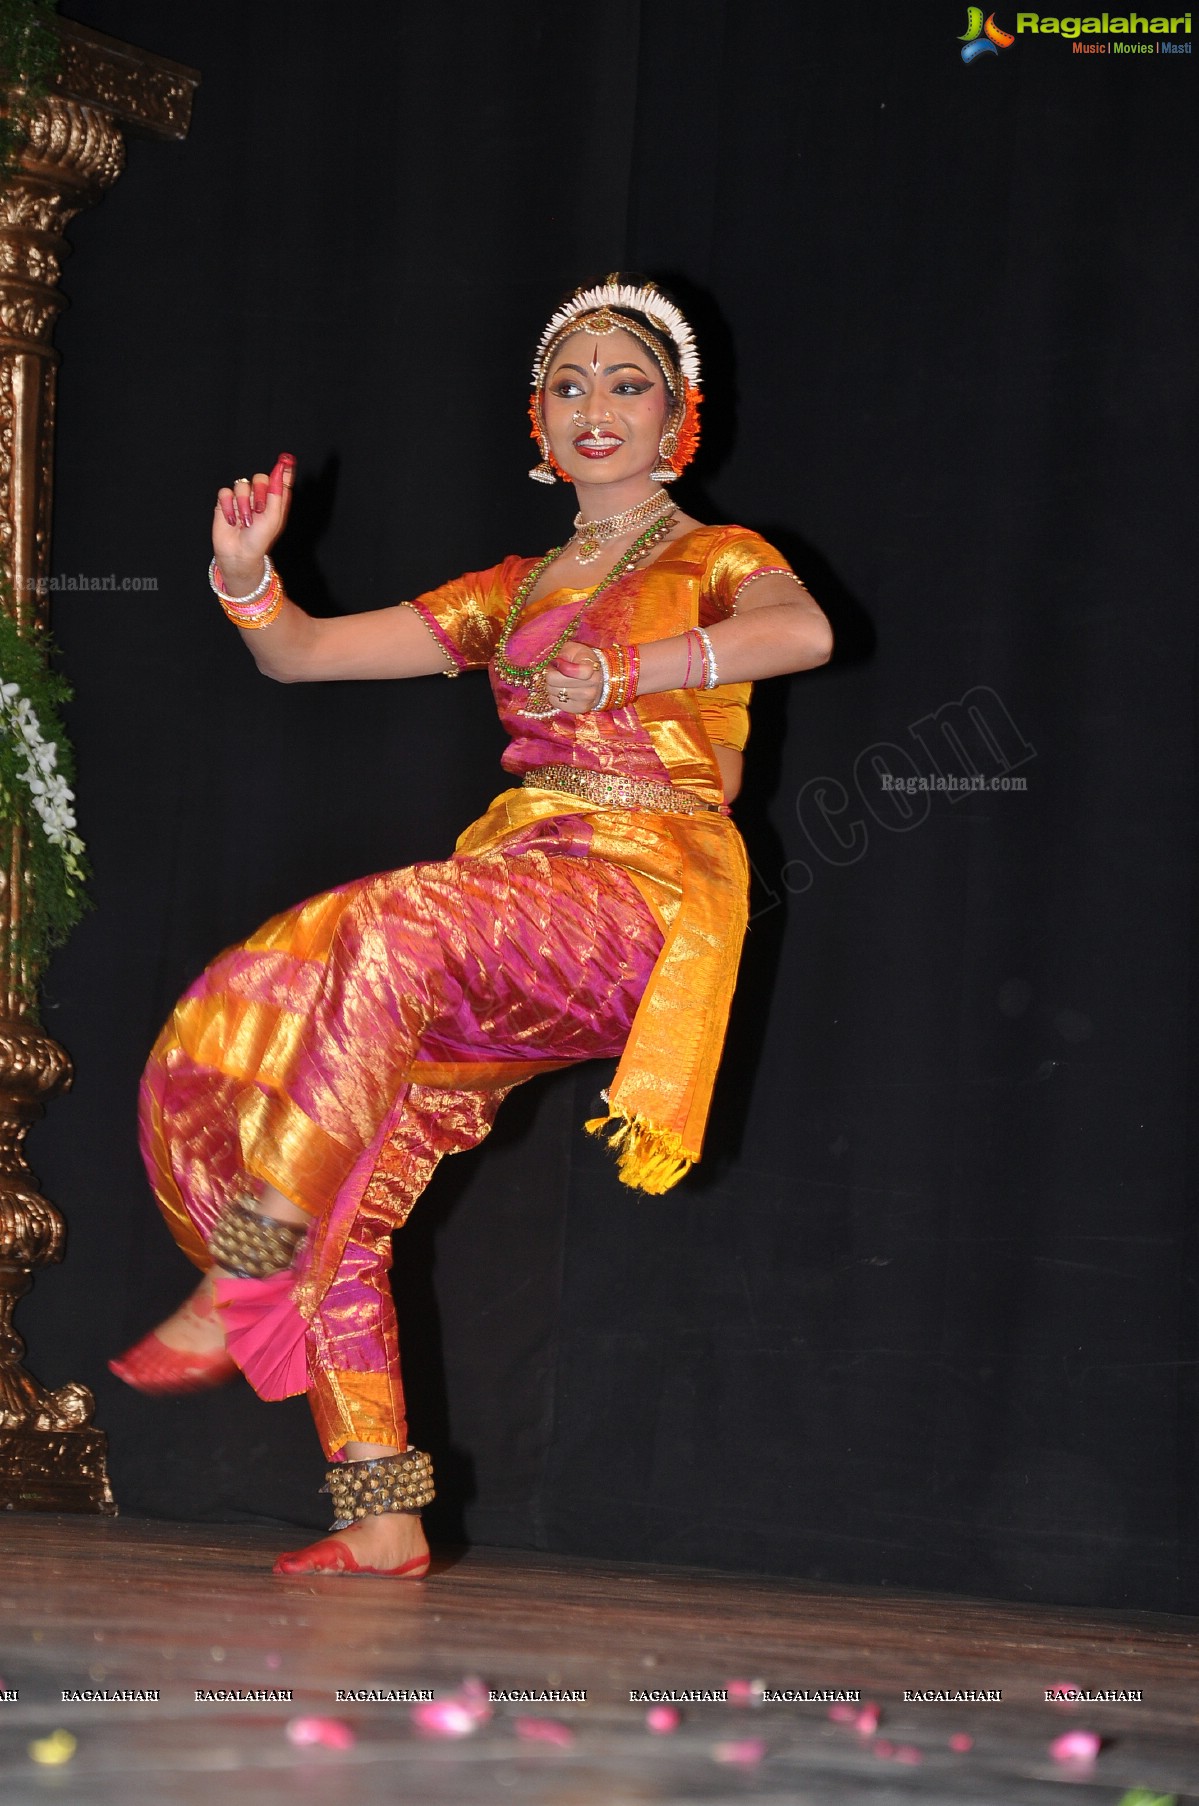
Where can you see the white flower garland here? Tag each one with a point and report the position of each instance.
(53, 799)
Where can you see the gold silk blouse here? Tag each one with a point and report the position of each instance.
(691, 869)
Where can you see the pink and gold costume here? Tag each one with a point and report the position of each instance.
(355, 1039)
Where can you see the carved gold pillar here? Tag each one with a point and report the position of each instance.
(51, 1456)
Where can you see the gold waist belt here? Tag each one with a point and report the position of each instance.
(613, 791)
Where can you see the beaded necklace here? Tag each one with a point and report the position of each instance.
(532, 677)
(591, 536)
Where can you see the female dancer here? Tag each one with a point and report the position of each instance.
(305, 1087)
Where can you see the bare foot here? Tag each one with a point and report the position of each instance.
(196, 1326)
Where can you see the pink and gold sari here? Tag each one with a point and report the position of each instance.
(357, 1038)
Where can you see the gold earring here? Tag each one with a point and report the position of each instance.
(543, 472)
(664, 471)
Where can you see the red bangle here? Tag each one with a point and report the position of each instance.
(634, 653)
(624, 663)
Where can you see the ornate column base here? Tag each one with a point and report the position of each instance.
(55, 1470)
(51, 1458)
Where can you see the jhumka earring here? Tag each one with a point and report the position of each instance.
(543, 472)
(664, 470)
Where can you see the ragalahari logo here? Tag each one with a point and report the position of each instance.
(983, 37)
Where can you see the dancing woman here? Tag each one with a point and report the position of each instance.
(305, 1087)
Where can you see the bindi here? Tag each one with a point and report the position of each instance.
(595, 358)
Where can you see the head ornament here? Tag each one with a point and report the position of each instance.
(645, 300)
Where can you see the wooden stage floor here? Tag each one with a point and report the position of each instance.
(135, 1606)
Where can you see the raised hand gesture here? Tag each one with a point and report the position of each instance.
(248, 519)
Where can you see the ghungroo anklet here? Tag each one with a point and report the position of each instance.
(367, 1489)
(252, 1246)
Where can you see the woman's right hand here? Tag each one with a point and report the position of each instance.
(247, 520)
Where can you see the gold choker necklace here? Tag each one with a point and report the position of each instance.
(592, 535)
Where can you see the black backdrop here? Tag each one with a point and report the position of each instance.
(927, 1313)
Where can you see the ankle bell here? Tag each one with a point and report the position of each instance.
(364, 1489)
(251, 1246)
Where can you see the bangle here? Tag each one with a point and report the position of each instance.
(633, 684)
(620, 679)
(251, 623)
(252, 612)
(601, 659)
(217, 582)
(621, 666)
(687, 672)
(711, 675)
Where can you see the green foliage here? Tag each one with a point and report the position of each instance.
(28, 59)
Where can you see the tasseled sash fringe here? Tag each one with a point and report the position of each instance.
(650, 1159)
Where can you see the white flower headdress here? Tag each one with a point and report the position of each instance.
(645, 300)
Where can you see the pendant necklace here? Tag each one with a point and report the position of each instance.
(533, 677)
(592, 535)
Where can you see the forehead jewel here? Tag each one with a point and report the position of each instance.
(661, 314)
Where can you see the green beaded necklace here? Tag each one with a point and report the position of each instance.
(532, 677)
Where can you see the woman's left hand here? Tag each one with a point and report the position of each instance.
(574, 680)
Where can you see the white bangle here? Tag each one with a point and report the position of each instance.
(254, 594)
(712, 678)
(601, 659)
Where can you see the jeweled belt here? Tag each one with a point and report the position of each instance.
(613, 791)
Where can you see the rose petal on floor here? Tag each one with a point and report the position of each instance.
(1075, 1746)
(473, 1695)
(868, 1719)
(445, 1718)
(328, 1733)
(663, 1720)
(961, 1741)
(843, 1714)
(545, 1730)
(745, 1751)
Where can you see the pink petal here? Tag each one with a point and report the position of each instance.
(746, 1752)
(545, 1730)
(330, 1733)
(744, 1693)
(444, 1718)
(907, 1752)
(883, 1748)
(663, 1719)
(843, 1714)
(867, 1720)
(1075, 1746)
(961, 1741)
(473, 1695)
(274, 1661)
